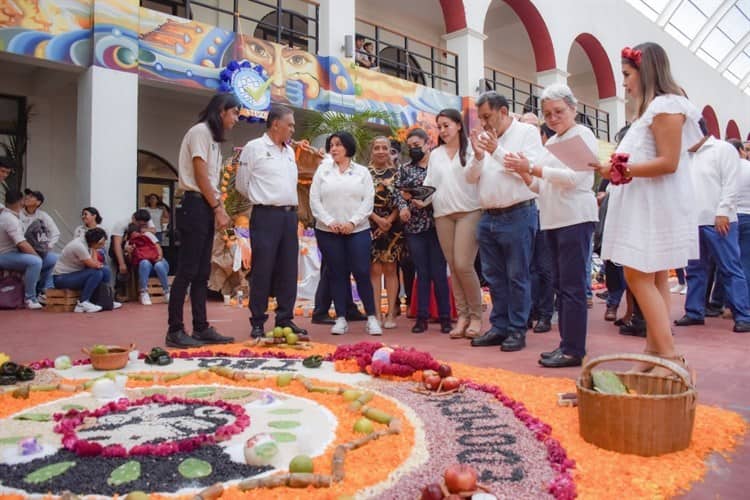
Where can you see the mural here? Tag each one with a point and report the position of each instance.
(123, 36)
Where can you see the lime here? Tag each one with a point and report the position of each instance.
(278, 332)
(363, 426)
(301, 463)
(292, 338)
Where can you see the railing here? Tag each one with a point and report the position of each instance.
(523, 97)
(406, 57)
(265, 20)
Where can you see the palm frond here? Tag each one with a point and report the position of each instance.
(360, 124)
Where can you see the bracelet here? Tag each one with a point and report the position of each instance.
(218, 204)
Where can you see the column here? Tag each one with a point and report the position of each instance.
(107, 142)
(469, 45)
(615, 106)
(551, 76)
(336, 20)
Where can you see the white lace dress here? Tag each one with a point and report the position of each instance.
(650, 223)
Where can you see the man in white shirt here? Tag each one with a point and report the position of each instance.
(18, 255)
(714, 172)
(509, 222)
(267, 176)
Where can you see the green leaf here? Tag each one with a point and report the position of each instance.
(283, 437)
(236, 394)
(192, 468)
(35, 417)
(363, 125)
(200, 392)
(267, 450)
(127, 472)
(73, 407)
(48, 472)
(151, 392)
(283, 424)
(286, 411)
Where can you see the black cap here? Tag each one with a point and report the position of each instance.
(36, 194)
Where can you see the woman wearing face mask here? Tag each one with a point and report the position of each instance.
(456, 209)
(387, 236)
(421, 237)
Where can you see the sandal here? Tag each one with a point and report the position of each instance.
(682, 362)
(643, 367)
(458, 331)
(475, 329)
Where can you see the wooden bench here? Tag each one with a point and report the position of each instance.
(156, 291)
(61, 299)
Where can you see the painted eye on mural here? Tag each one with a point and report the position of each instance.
(297, 60)
(258, 50)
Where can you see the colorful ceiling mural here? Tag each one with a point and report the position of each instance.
(121, 35)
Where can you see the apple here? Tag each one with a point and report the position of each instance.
(444, 370)
(450, 383)
(432, 492)
(460, 477)
(432, 382)
(428, 373)
(364, 426)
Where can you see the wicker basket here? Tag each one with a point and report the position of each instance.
(657, 419)
(114, 359)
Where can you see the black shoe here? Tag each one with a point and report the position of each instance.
(295, 329)
(542, 326)
(560, 360)
(322, 320)
(602, 295)
(445, 325)
(634, 328)
(211, 336)
(420, 326)
(515, 342)
(713, 311)
(550, 354)
(257, 332)
(493, 336)
(741, 327)
(688, 321)
(180, 339)
(355, 315)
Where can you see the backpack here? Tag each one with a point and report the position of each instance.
(37, 235)
(143, 249)
(103, 296)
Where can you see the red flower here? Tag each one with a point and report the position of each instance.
(617, 173)
(632, 55)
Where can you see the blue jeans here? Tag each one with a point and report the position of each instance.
(744, 229)
(429, 262)
(86, 280)
(146, 269)
(37, 272)
(616, 286)
(589, 265)
(506, 244)
(348, 254)
(542, 292)
(725, 250)
(571, 250)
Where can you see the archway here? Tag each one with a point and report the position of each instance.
(712, 122)
(732, 131)
(294, 31)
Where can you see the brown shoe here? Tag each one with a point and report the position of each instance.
(611, 313)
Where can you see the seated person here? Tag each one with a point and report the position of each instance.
(362, 57)
(90, 219)
(143, 220)
(146, 256)
(40, 231)
(79, 268)
(18, 255)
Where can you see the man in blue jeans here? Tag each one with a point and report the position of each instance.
(18, 255)
(509, 222)
(714, 170)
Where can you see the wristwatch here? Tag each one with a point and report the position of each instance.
(628, 173)
(531, 169)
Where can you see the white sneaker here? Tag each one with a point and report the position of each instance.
(373, 326)
(116, 305)
(33, 304)
(341, 326)
(678, 288)
(145, 299)
(87, 307)
(684, 290)
(166, 297)
(42, 299)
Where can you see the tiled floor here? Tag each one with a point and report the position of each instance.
(721, 358)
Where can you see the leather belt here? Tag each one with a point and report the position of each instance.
(285, 208)
(504, 210)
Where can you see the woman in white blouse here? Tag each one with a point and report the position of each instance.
(90, 218)
(341, 200)
(456, 211)
(567, 216)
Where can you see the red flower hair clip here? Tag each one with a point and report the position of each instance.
(618, 174)
(633, 55)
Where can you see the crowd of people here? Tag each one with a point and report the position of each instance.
(672, 197)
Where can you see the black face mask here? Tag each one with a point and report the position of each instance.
(416, 154)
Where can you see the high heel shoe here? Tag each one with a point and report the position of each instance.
(459, 331)
(474, 329)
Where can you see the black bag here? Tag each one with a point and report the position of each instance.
(37, 236)
(104, 297)
(11, 292)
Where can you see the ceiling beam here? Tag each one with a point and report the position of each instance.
(666, 14)
(738, 47)
(710, 24)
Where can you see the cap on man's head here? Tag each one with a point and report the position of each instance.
(36, 194)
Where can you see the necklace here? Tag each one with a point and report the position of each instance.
(380, 172)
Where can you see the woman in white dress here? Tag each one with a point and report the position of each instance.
(650, 226)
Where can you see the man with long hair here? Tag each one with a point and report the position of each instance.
(199, 215)
(267, 176)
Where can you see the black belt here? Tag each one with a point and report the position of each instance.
(504, 210)
(193, 194)
(285, 208)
